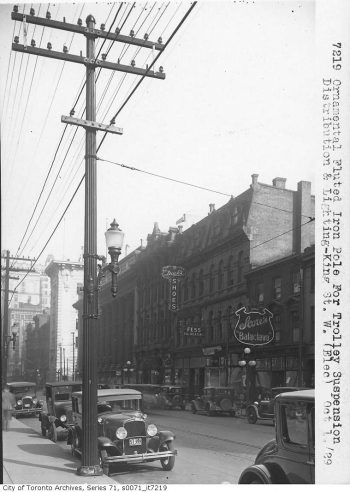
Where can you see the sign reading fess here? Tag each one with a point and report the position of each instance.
(254, 327)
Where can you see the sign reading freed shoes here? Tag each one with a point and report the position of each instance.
(254, 327)
(172, 274)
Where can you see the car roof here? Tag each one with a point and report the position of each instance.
(218, 387)
(103, 393)
(64, 383)
(307, 394)
(19, 384)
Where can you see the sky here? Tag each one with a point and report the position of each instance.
(238, 99)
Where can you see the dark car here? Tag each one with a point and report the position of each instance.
(58, 417)
(173, 397)
(290, 457)
(27, 402)
(124, 433)
(263, 408)
(215, 400)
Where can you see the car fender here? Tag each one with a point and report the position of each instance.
(166, 436)
(104, 442)
(255, 410)
(261, 472)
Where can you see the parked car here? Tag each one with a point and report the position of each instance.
(290, 457)
(173, 397)
(124, 433)
(150, 394)
(27, 402)
(263, 408)
(58, 416)
(215, 400)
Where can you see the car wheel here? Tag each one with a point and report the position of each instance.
(169, 462)
(43, 431)
(53, 433)
(251, 416)
(193, 408)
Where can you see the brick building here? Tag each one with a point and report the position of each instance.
(194, 345)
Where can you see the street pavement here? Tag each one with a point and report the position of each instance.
(29, 459)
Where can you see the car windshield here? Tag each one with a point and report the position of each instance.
(62, 396)
(116, 406)
(22, 390)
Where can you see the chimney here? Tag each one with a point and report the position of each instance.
(254, 180)
(211, 208)
(305, 234)
(279, 183)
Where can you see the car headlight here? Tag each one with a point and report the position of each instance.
(19, 402)
(63, 418)
(152, 430)
(121, 433)
(35, 401)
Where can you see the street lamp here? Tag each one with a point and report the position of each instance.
(11, 338)
(246, 363)
(128, 369)
(114, 240)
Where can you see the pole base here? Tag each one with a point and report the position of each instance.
(90, 471)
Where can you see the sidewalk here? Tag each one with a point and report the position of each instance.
(32, 459)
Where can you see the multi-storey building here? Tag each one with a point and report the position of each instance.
(66, 277)
(194, 345)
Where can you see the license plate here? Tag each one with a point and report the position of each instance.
(27, 405)
(137, 441)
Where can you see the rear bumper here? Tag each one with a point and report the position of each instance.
(139, 458)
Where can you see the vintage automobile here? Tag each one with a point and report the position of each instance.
(58, 417)
(263, 408)
(124, 433)
(290, 457)
(172, 397)
(215, 400)
(27, 402)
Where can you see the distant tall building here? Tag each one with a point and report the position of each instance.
(66, 277)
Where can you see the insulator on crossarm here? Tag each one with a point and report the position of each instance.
(103, 27)
(72, 112)
(104, 56)
(15, 8)
(161, 69)
(32, 11)
(118, 61)
(117, 31)
(64, 19)
(160, 40)
(132, 63)
(80, 22)
(65, 49)
(32, 43)
(16, 39)
(145, 36)
(48, 15)
(132, 33)
(49, 46)
(113, 121)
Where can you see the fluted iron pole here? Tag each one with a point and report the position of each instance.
(90, 460)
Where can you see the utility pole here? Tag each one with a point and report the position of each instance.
(5, 325)
(90, 463)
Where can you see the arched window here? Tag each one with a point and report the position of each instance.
(219, 326)
(211, 279)
(220, 275)
(193, 285)
(210, 327)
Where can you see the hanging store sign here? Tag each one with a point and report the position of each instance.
(193, 331)
(173, 274)
(254, 327)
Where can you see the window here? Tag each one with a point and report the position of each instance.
(200, 283)
(239, 266)
(211, 279)
(312, 323)
(277, 288)
(294, 321)
(210, 327)
(220, 275)
(294, 423)
(186, 290)
(260, 292)
(230, 271)
(296, 282)
(276, 322)
(193, 285)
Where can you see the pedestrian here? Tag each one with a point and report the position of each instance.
(8, 403)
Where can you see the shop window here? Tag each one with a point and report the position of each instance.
(277, 288)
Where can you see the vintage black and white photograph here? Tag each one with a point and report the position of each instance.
(173, 268)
